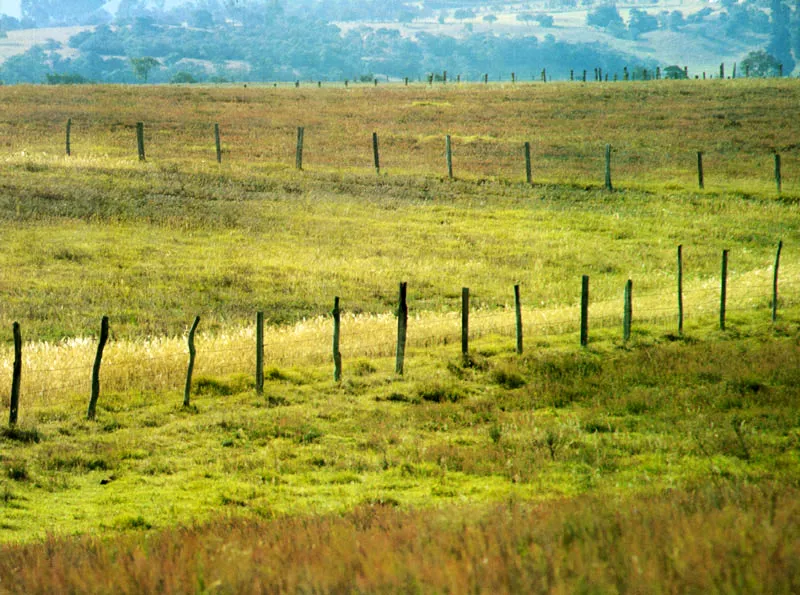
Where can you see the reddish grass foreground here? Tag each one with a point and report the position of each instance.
(730, 539)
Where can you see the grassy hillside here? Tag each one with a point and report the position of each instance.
(703, 425)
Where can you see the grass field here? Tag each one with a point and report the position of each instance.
(667, 432)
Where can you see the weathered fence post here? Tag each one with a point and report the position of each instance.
(465, 323)
(528, 174)
(17, 378)
(375, 154)
(259, 353)
(609, 187)
(217, 143)
(585, 311)
(518, 311)
(192, 353)
(449, 153)
(627, 311)
(402, 330)
(775, 283)
(298, 158)
(723, 294)
(90, 414)
(778, 172)
(140, 139)
(69, 131)
(722, 70)
(485, 79)
(680, 289)
(700, 178)
(337, 356)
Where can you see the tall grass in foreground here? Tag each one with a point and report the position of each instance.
(722, 539)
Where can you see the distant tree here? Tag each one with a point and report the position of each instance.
(526, 17)
(760, 64)
(544, 20)
(780, 42)
(183, 77)
(463, 13)
(604, 17)
(490, 18)
(143, 66)
(65, 79)
(674, 73)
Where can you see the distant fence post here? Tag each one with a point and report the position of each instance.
(775, 283)
(627, 311)
(90, 414)
(528, 174)
(402, 329)
(17, 378)
(140, 139)
(585, 311)
(192, 353)
(680, 289)
(259, 353)
(69, 131)
(337, 356)
(485, 79)
(465, 323)
(375, 154)
(778, 172)
(298, 159)
(700, 179)
(608, 168)
(448, 147)
(518, 311)
(217, 143)
(723, 294)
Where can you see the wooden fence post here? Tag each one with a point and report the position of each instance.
(449, 153)
(528, 175)
(402, 329)
(518, 311)
(585, 311)
(627, 311)
(775, 283)
(192, 353)
(465, 323)
(90, 414)
(69, 131)
(140, 139)
(700, 179)
(778, 172)
(259, 353)
(608, 168)
(298, 159)
(375, 154)
(217, 143)
(680, 289)
(723, 294)
(337, 356)
(17, 378)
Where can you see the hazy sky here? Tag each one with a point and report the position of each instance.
(10, 7)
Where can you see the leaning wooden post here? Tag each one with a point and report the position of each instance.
(192, 353)
(449, 153)
(465, 323)
(140, 139)
(518, 311)
(528, 175)
(628, 311)
(17, 378)
(585, 311)
(608, 168)
(217, 143)
(680, 289)
(778, 172)
(775, 283)
(375, 154)
(402, 329)
(69, 131)
(259, 353)
(90, 414)
(700, 180)
(298, 159)
(337, 356)
(723, 294)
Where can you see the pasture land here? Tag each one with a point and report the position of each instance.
(704, 425)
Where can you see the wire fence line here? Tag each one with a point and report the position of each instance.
(161, 366)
